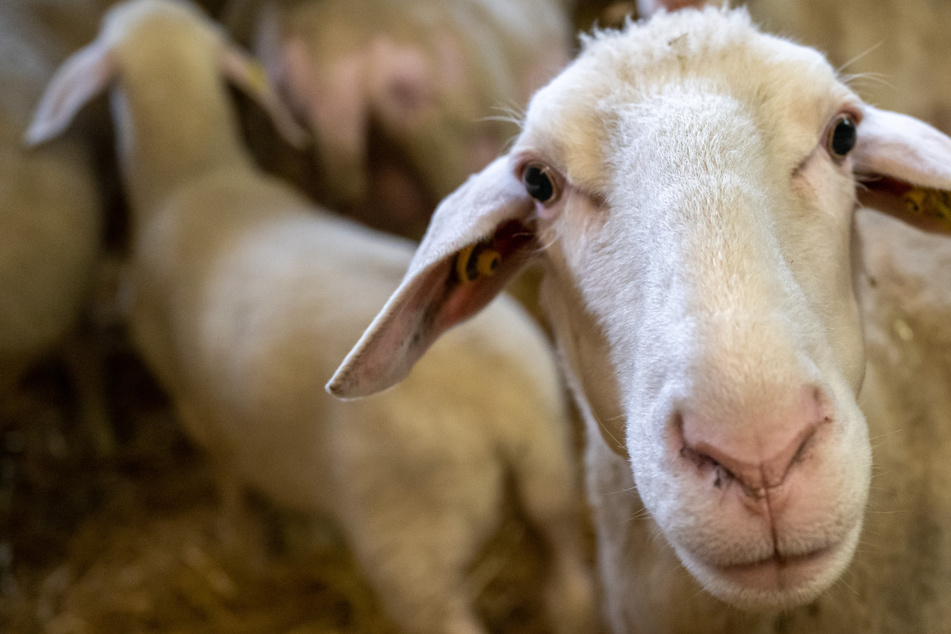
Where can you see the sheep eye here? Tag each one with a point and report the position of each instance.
(538, 183)
(843, 136)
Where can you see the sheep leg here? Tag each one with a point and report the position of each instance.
(235, 526)
(84, 363)
(415, 525)
(416, 570)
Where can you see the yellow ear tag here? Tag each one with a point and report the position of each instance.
(931, 203)
(477, 260)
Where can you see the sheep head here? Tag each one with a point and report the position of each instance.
(405, 97)
(690, 184)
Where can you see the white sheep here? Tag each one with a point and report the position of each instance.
(405, 97)
(50, 206)
(690, 185)
(246, 297)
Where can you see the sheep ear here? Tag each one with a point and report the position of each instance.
(904, 169)
(479, 237)
(248, 75)
(81, 77)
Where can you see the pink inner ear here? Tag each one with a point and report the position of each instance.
(904, 166)
(412, 321)
(491, 205)
(82, 76)
(889, 196)
(514, 241)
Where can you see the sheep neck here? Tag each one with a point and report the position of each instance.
(174, 126)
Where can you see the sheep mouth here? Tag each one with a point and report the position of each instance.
(778, 572)
(777, 582)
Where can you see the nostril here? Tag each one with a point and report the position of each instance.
(723, 467)
(807, 438)
(722, 474)
(777, 468)
(758, 452)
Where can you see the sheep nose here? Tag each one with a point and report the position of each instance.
(757, 452)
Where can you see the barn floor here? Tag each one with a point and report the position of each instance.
(134, 542)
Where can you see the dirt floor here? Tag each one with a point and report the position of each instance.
(132, 541)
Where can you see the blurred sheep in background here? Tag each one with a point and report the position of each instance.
(247, 297)
(405, 97)
(51, 212)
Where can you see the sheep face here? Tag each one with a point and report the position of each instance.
(690, 184)
(706, 240)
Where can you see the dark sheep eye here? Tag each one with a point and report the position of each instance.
(538, 184)
(843, 136)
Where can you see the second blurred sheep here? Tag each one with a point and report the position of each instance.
(51, 209)
(405, 97)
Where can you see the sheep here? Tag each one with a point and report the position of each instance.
(404, 98)
(690, 185)
(245, 298)
(50, 208)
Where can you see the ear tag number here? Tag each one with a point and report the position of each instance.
(930, 203)
(477, 260)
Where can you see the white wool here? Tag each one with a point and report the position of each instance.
(898, 577)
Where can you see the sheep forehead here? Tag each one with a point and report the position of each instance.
(789, 90)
